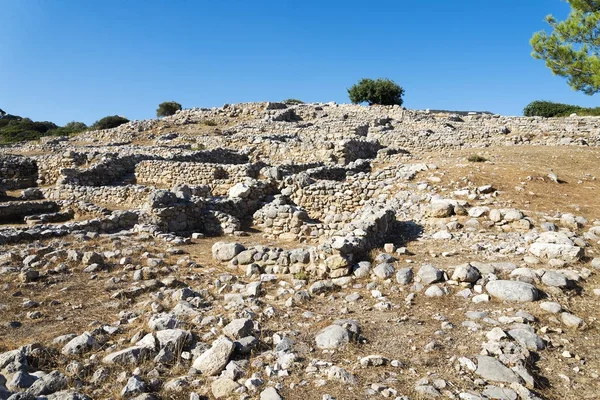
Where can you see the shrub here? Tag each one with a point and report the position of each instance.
(540, 108)
(382, 91)
(292, 102)
(167, 108)
(209, 122)
(17, 129)
(76, 126)
(111, 121)
(476, 158)
(590, 112)
(301, 276)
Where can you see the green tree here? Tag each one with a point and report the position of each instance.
(571, 49)
(76, 126)
(292, 102)
(382, 91)
(167, 108)
(111, 121)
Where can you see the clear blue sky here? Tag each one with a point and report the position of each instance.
(84, 59)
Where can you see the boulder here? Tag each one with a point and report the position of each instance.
(492, 369)
(513, 291)
(213, 360)
(223, 251)
(332, 337)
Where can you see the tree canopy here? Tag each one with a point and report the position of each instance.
(571, 49)
(381, 91)
(168, 108)
(112, 121)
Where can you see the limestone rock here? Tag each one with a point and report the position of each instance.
(213, 360)
(513, 291)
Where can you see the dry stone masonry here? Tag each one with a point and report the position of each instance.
(272, 251)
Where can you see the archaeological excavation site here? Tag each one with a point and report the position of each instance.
(312, 251)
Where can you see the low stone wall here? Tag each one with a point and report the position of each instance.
(131, 196)
(323, 198)
(17, 172)
(282, 221)
(220, 177)
(102, 173)
(15, 211)
(364, 233)
(116, 221)
(333, 258)
(50, 166)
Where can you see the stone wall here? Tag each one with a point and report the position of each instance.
(131, 196)
(103, 173)
(17, 172)
(116, 221)
(50, 165)
(333, 258)
(282, 221)
(220, 177)
(15, 211)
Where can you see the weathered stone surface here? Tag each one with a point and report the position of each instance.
(223, 387)
(332, 337)
(80, 344)
(213, 360)
(491, 369)
(131, 355)
(223, 251)
(429, 274)
(270, 393)
(528, 339)
(512, 291)
(384, 270)
(48, 384)
(239, 328)
(466, 273)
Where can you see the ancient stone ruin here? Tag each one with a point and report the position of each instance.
(240, 251)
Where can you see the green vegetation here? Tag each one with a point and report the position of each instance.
(549, 109)
(17, 129)
(476, 158)
(301, 276)
(571, 50)
(167, 108)
(209, 122)
(14, 128)
(382, 91)
(292, 102)
(109, 122)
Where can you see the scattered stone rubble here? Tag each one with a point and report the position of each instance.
(313, 207)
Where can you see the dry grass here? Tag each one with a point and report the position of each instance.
(509, 167)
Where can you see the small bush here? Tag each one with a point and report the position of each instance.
(109, 122)
(76, 126)
(382, 91)
(167, 108)
(301, 276)
(548, 109)
(209, 122)
(589, 112)
(16, 129)
(476, 158)
(292, 102)
(69, 129)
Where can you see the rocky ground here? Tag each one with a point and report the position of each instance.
(439, 277)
